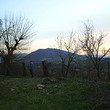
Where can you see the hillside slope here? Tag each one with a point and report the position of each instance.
(48, 54)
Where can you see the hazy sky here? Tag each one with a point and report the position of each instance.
(59, 16)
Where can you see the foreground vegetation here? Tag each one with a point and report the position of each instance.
(53, 94)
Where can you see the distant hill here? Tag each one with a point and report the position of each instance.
(48, 54)
(21, 54)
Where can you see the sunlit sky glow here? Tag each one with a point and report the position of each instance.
(59, 16)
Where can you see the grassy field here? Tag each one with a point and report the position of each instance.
(53, 94)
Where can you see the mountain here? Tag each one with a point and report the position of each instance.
(21, 55)
(48, 54)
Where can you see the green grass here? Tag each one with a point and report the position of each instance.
(71, 94)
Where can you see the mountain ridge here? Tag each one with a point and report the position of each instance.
(49, 54)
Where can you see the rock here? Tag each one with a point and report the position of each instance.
(40, 86)
(12, 89)
(47, 81)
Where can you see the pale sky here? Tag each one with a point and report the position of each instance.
(59, 16)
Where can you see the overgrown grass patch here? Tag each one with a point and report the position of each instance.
(71, 94)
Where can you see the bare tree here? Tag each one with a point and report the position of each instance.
(15, 33)
(68, 44)
(93, 46)
(62, 55)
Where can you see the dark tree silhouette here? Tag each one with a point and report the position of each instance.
(92, 45)
(15, 33)
(70, 45)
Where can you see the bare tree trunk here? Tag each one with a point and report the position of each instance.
(98, 72)
(24, 69)
(97, 66)
(45, 68)
(63, 69)
(67, 69)
(108, 73)
(6, 65)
